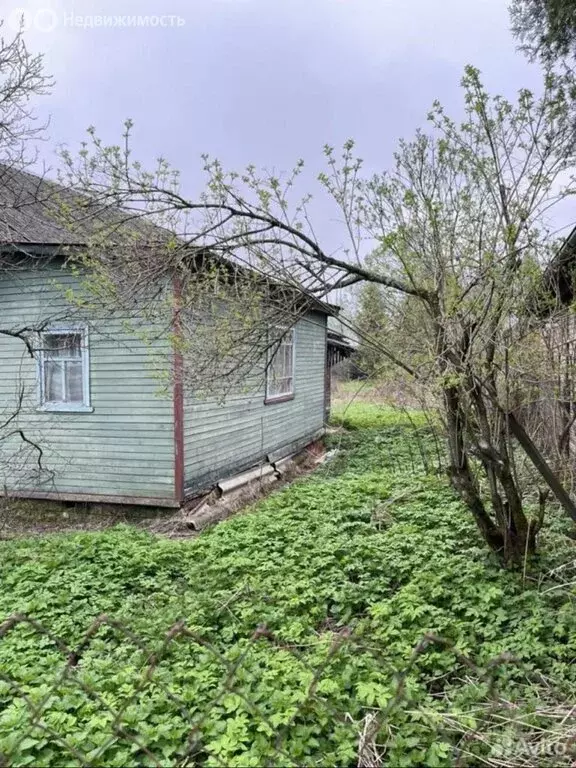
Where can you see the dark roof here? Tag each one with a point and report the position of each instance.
(37, 211)
(560, 275)
(557, 287)
(341, 343)
(28, 210)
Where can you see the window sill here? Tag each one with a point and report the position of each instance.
(65, 408)
(279, 399)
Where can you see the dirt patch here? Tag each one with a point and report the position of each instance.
(27, 517)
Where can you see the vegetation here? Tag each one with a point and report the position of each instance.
(308, 606)
(354, 618)
(451, 239)
(373, 326)
(22, 80)
(546, 28)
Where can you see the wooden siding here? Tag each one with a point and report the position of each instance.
(223, 438)
(125, 447)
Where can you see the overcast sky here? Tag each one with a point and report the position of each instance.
(263, 81)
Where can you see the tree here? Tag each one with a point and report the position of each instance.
(372, 322)
(545, 28)
(385, 321)
(457, 227)
(22, 79)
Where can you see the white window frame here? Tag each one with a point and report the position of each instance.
(85, 406)
(278, 397)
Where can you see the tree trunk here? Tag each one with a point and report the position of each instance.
(459, 472)
(507, 532)
(542, 466)
(511, 535)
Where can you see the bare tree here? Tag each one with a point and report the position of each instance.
(22, 79)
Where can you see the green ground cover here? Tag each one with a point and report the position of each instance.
(296, 628)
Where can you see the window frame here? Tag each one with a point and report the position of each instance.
(284, 396)
(60, 407)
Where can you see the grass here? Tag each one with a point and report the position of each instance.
(353, 415)
(301, 619)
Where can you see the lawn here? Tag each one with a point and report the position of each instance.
(297, 630)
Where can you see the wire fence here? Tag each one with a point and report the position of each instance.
(68, 716)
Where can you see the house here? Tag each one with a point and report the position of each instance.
(559, 282)
(84, 416)
(545, 400)
(339, 348)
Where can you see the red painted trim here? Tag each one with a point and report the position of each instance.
(93, 498)
(327, 377)
(178, 397)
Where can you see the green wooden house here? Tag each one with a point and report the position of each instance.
(82, 417)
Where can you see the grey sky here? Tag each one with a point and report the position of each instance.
(265, 81)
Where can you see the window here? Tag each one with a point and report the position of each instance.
(280, 372)
(64, 370)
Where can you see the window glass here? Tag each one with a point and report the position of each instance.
(63, 368)
(280, 374)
